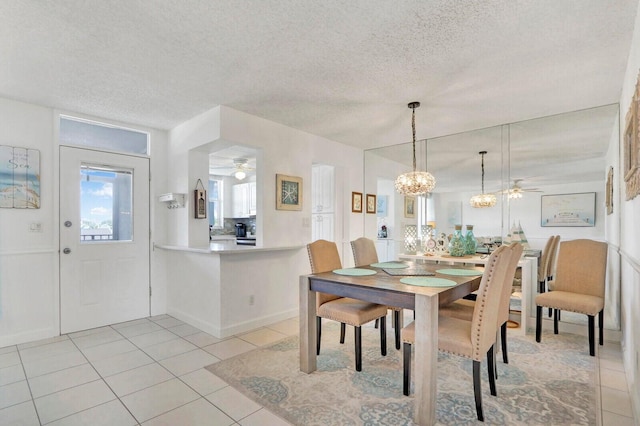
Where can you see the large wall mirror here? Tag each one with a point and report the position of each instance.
(559, 154)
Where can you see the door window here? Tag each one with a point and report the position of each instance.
(106, 204)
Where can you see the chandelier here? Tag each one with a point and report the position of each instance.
(483, 200)
(415, 183)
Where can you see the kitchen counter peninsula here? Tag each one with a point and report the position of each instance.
(226, 289)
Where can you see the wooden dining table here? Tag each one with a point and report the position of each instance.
(386, 289)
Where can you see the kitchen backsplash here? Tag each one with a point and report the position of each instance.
(230, 227)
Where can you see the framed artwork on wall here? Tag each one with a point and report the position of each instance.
(568, 210)
(632, 146)
(371, 203)
(19, 178)
(356, 202)
(409, 206)
(288, 192)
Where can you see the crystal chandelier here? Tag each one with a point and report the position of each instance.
(483, 200)
(415, 183)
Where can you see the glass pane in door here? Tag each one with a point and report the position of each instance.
(106, 204)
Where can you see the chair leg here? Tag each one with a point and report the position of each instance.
(538, 323)
(601, 326)
(556, 318)
(541, 288)
(318, 333)
(383, 336)
(503, 340)
(406, 368)
(343, 329)
(358, 333)
(396, 319)
(491, 366)
(592, 337)
(376, 323)
(477, 391)
(550, 311)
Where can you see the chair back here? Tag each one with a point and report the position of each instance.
(364, 251)
(543, 266)
(581, 267)
(505, 298)
(484, 324)
(323, 257)
(552, 257)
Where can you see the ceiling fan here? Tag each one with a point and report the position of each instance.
(516, 191)
(239, 169)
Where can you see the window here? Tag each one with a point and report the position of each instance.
(77, 132)
(216, 219)
(106, 204)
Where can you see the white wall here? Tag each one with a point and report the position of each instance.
(29, 286)
(629, 242)
(282, 150)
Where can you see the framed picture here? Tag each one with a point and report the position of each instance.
(288, 192)
(381, 205)
(568, 210)
(409, 206)
(631, 146)
(371, 203)
(609, 191)
(356, 202)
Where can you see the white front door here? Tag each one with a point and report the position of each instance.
(104, 238)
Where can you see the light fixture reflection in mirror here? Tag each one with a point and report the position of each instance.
(483, 200)
(240, 175)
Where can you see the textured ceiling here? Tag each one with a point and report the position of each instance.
(340, 69)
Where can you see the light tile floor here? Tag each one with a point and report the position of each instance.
(150, 372)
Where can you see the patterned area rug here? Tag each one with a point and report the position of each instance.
(550, 383)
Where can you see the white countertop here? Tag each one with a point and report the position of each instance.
(225, 247)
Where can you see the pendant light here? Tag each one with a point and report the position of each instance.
(415, 183)
(483, 200)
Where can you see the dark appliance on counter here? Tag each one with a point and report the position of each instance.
(246, 241)
(241, 230)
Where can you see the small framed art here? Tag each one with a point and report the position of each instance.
(371, 203)
(409, 206)
(288, 192)
(356, 202)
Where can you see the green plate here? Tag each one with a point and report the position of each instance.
(427, 281)
(356, 272)
(460, 272)
(390, 265)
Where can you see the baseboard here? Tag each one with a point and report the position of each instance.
(27, 337)
(258, 322)
(233, 329)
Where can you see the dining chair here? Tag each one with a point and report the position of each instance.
(543, 266)
(578, 286)
(463, 309)
(324, 257)
(551, 265)
(364, 254)
(470, 339)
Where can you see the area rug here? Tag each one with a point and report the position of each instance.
(550, 383)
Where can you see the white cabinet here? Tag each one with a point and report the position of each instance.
(387, 249)
(322, 194)
(244, 200)
(322, 228)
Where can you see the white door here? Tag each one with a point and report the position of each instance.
(104, 238)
